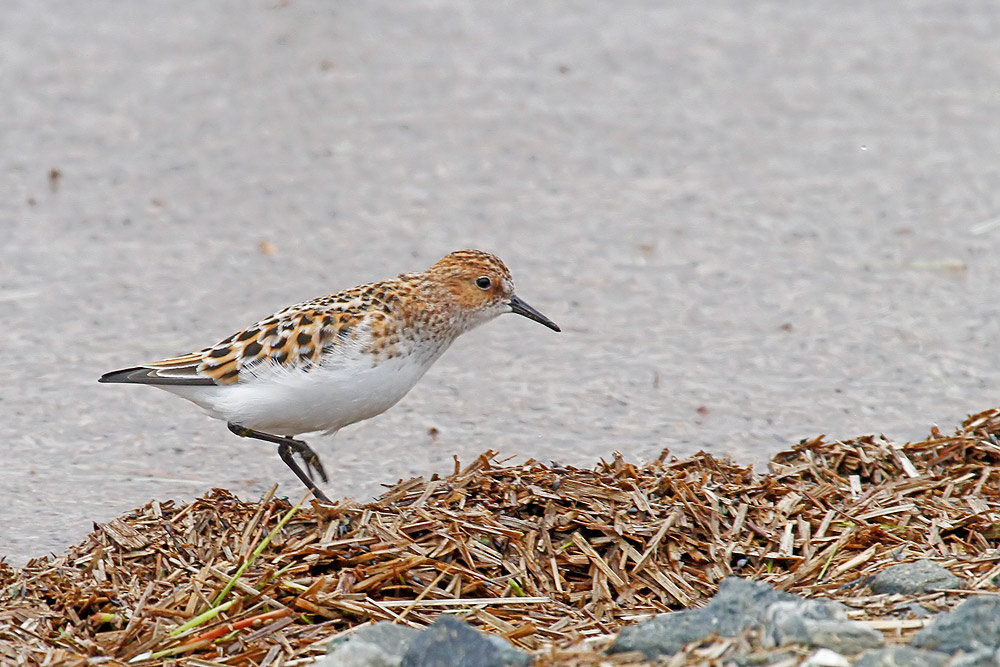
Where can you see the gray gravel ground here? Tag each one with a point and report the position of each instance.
(755, 223)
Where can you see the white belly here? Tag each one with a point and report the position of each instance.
(327, 398)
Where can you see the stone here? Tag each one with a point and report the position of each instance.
(783, 619)
(984, 657)
(449, 642)
(817, 623)
(901, 656)
(824, 657)
(380, 645)
(741, 603)
(664, 634)
(917, 577)
(735, 607)
(971, 626)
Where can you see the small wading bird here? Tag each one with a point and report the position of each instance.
(338, 359)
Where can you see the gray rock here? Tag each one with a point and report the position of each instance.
(971, 626)
(984, 657)
(782, 617)
(762, 658)
(449, 642)
(741, 603)
(735, 607)
(902, 656)
(916, 577)
(380, 645)
(916, 610)
(817, 623)
(824, 657)
(665, 634)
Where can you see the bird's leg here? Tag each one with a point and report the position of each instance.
(287, 455)
(287, 448)
(309, 457)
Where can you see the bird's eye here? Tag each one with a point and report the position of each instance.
(483, 282)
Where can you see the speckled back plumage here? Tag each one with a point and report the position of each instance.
(379, 320)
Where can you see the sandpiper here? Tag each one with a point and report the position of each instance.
(338, 359)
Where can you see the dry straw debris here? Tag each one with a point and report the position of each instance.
(556, 559)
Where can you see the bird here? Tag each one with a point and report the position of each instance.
(323, 364)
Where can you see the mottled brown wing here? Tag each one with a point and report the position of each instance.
(297, 336)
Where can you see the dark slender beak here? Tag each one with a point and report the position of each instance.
(521, 308)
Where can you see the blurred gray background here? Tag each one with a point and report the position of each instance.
(755, 222)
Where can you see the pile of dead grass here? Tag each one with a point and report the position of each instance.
(556, 559)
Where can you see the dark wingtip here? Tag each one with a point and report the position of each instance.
(142, 375)
(123, 375)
